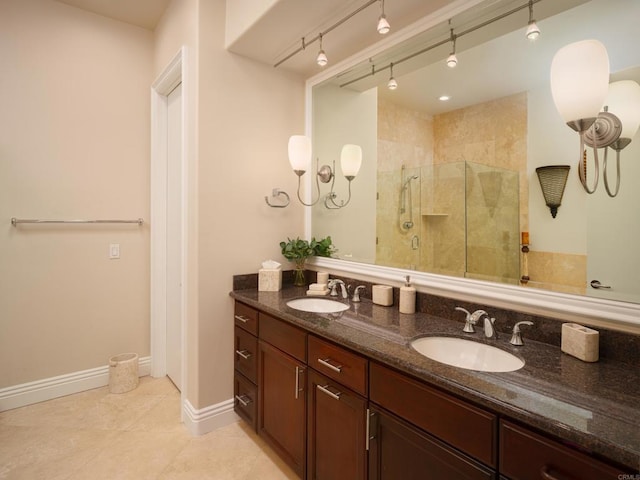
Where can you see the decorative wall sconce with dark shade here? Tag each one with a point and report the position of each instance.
(580, 87)
(553, 179)
(300, 160)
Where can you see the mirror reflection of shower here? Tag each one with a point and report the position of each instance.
(406, 201)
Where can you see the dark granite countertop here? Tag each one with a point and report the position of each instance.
(595, 406)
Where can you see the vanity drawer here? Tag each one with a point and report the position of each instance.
(338, 364)
(525, 455)
(284, 336)
(464, 426)
(246, 318)
(245, 399)
(246, 354)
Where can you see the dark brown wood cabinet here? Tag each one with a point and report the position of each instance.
(331, 414)
(398, 450)
(245, 362)
(526, 455)
(337, 419)
(282, 393)
(470, 429)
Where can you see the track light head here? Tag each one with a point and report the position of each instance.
(383, 23)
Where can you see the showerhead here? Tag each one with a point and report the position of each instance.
(406, 182)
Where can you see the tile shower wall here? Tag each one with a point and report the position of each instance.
(437, 149)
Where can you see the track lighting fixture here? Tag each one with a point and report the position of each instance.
(392, 84)
(533, 31)
(452, 60)
(321, 59)
(383, 24)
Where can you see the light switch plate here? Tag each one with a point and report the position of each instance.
(114, 251)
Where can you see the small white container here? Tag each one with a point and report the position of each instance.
(407, 298)
(323, 277)
(269, 280)
(382, 295)
(580, 342)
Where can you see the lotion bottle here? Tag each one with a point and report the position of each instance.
(407, 297)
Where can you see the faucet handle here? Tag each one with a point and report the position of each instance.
(516, 337)
(356, 293)
(468, 321)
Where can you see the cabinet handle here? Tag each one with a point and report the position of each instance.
(546, 474)
(325, 362)
(243, 400)
(370, 437)
(325, 389)
(241, 318)
(299, 370)
(244, 354)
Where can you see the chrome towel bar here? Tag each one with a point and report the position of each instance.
(16, 221)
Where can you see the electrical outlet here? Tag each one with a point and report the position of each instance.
(114, 251)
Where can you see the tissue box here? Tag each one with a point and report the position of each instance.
(269, 280)
(580, 342)
(382, 295)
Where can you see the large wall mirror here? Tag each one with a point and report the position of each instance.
(448, 183)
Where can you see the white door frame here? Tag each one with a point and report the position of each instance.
(172, 75)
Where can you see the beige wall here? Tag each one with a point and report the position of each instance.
(246, 113)
(74, 143)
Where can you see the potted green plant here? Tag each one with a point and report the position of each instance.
(299, 250)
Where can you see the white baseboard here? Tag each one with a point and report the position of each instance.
(207, 419)
(54, 387)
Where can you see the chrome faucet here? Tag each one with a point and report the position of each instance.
(471, 319)
(333, 285)
(516, 336)
(489, 328)
(356, 293)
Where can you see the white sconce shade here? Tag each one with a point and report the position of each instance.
(452, 60)
(383, 25)
(533, 31)
(580, 79)
(350, 160)
(300, 152)
(624, 102)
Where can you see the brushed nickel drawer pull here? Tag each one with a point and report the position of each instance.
(299, 371)
(325, 362)
(244, 400)
(546, 474)
(244, 354)
(241, 318)
(326, 390)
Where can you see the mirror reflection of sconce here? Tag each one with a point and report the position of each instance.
(580, 87)
(300, 158)
(553, 179)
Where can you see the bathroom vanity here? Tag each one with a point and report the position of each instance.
(345, 396)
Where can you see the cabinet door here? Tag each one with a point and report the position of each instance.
(337, 431)
(398, 450)
(282, 401)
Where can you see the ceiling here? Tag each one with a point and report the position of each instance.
(143, 13)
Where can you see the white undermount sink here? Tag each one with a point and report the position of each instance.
(317, 305)
(468, 354)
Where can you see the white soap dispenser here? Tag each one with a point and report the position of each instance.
(407, 297)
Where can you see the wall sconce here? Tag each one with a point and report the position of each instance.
(579, 85)
(300, 158)
(616, 131)
(553, 179)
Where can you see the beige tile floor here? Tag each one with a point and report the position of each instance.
(96, 435)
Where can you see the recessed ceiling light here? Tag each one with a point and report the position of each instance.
(444, 98)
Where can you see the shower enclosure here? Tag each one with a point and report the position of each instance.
(459, 219)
